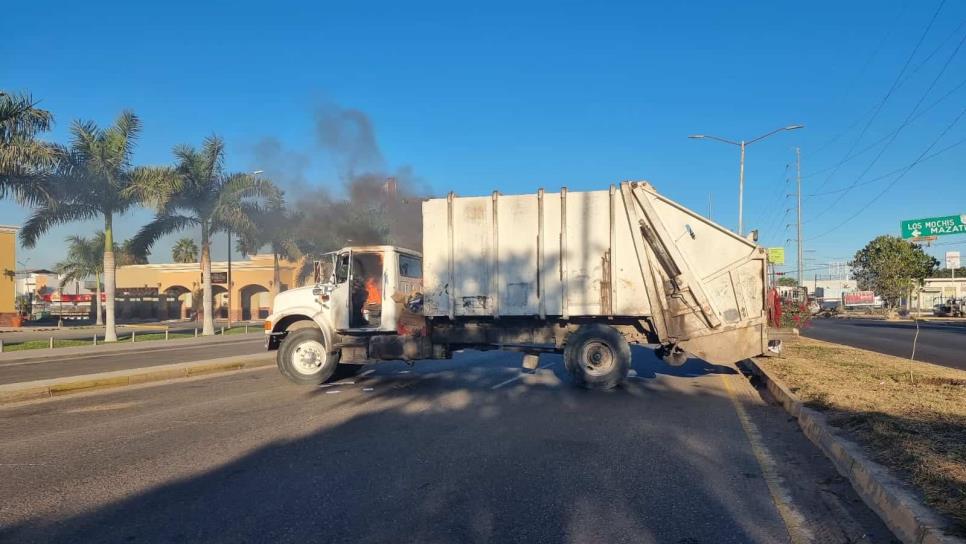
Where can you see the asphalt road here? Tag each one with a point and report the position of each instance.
(937, 343)
(184, 351)
(467, 450)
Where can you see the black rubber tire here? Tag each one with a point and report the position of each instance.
(286, 365)
(604, 341)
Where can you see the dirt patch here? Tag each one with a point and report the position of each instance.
(909, 416)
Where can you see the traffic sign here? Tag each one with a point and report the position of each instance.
(952, 259)
(933, 226)
(776, 255)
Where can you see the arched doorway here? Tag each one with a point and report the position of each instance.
(179, 301)
(219, 301)
(255, 302)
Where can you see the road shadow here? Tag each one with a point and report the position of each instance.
(447, 459)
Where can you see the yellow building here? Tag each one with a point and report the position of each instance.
(8, 267)
(252, 286)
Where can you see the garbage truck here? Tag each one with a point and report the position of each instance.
(584, 274)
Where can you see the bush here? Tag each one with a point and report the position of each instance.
(795, 314)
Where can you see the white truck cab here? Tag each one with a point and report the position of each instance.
(358, 294)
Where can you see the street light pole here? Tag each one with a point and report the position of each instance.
(741, 164)
(741, 188)
(228, 279)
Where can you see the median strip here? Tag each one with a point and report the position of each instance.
(891, 426)
(57, 387)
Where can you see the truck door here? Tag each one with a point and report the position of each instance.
(340, 297)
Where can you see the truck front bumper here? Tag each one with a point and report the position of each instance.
(273, 339)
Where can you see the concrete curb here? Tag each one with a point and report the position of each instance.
(908, 518)
(57, 387)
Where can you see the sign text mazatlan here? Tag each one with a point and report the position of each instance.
(933, 226)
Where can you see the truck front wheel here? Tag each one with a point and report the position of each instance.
(303, 358)
(597, 357)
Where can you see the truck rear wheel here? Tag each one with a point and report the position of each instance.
(597, 357)
(303, 358)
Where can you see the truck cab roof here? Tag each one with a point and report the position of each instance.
(379, 248)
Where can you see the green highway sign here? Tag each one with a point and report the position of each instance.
(933, 226)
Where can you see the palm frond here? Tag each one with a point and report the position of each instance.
(213, 150)
(84, 139)
(43, 218)
(141, 244)
(20, 117)
(153, 186)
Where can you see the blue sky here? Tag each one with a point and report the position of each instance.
(514, 97)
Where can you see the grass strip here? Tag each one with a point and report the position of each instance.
(908, 416)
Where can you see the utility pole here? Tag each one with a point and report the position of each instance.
(228, 277)
(798, 176)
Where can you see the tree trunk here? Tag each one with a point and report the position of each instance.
(98, 318)
(208, 326)
(276, 279)
(110, 331)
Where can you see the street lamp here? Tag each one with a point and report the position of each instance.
(228, 279)
(741, 167)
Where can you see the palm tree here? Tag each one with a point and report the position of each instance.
(274, 227)
(24, 161)
(198, 192)
(125, 254)
(85, 258)
(94, 179)
(185, 250)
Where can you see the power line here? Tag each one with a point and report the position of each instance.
(896, 171)
(871, 146)
(865, 66)
(892, 88)
(868, 204)
(904, 124)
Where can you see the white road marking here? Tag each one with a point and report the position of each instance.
(334, 391)
(519, 376)
(366, 373)
(367, 389)
(325, 385)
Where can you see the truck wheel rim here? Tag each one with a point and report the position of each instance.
(308, 357)
(596, 358)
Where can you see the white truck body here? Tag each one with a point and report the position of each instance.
(585, 273)
(584, 254)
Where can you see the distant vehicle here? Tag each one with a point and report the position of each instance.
(582, 273)
(951, 307)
